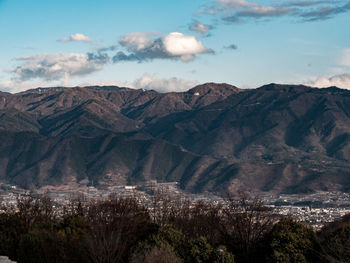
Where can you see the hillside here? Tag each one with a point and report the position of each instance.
(214, 137)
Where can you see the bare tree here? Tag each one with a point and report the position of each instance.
(163, 206)
(200, 219)
(34, 210)
(245, 223)
(114, 225)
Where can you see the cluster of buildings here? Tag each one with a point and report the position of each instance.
(315, 209)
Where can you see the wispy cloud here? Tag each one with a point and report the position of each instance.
(235, 4)
(233, 19)
(198, 27)
(142, 47)
(264, 11)
(78, 37)
(238, 11)
(235, 11)
(305, 3)
(325, 12)
(340, 81)
(253, 9)
(231, 47)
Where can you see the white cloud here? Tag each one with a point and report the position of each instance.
(78, 37)
(56, 66)
(151, 82)
(147, 46)
(183, 46)
(340, 81)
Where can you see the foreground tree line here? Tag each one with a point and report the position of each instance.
(167, 229)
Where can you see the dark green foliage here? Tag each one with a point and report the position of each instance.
(202, 251)
(335, 240)
(186, 250)
(40, 246)
(12, 227)
(293, 242)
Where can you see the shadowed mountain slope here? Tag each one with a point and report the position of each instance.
(214, 137)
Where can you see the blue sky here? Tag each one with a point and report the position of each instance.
(173, 45)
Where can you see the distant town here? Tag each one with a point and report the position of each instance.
(316, 209)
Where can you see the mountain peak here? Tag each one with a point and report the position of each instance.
(41, 90)
(214, 88)
(107, 88)
(284, 87)
(335, 89)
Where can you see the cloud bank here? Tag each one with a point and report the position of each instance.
(14, 86)
(147, 82)
(151, 82)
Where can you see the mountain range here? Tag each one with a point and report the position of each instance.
(214, 137)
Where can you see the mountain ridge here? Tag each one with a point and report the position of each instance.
(213, 137)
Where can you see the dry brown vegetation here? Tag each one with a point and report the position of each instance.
(168, 229)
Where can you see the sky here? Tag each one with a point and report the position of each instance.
(173, 45)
